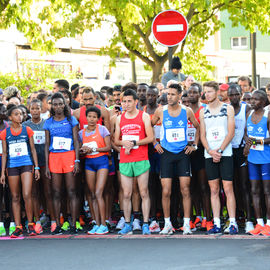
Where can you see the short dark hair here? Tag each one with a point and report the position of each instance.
(87, 90)
(11, 108)
(185, 94)
(74, 87)
(117, 88)
(109, 91)
(130, 92)
(93, 109)
(212, 84)
(101, 95)
(62, 83)
(234, 86)
(154, 88)
(196, 85)
(67, 92)
(75, 93)
(36, 101)
(177, 87)
(262, 94)
(130, 85)
(245, 78)
(42, 96)
(267, 87)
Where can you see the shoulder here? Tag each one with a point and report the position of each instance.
(74, 120)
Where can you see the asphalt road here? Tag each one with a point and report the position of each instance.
(139, 254)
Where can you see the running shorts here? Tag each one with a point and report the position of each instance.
(133, 169)
(95, 164)
(62, 162)
(19, 170)
(259, 171)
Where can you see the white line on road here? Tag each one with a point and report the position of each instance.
(170, 27)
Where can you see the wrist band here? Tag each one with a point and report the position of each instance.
(37, 168)
(262, 141)
(156, 144)
(77, 161)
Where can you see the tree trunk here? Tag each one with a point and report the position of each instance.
(156, 71)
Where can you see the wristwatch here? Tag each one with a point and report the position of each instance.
(94, 149)
(220, 151)
(195, 146)
(134, 142)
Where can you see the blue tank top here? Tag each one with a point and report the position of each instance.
(173, 135)
(18, 149)
(258, 154)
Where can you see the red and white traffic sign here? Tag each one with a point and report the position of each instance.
(170, 27)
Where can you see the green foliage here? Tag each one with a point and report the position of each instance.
(131, 25)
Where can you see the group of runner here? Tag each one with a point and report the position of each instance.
(68, 147)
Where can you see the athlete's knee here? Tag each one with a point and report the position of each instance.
(16, 197)
(144, 193)
(214, 191)
(266, 190)
(127, 194)
(228, 189)
(255, 190)
(72, 193)
(99, 194)
(27, 195)
(205, 190)
(185, 191)
(57, 194)
(166, 192)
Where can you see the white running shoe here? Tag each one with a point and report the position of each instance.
(121, 223)
(249, 226)
(227, 230)
(186, 230)
(136, 225)
(168, 229)
(154, 227)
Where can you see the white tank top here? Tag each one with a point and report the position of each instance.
(240, 123)
(216, 128)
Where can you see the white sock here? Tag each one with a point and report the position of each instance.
(38, 222)
(12, 224)
(53, 221)
(217, 221)
(1, 224)
(232, 221)
(260, 221)
(199, 217)
(186, 222)
(204, 217)
(167, 221)
(268, 222)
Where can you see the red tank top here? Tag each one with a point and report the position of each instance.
(133, 129)
(83, 120)
(94, 141)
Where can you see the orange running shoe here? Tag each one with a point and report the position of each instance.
(62, 220)
(197, 223)
(265, 231)
(191, 225)
(209, 225)
(203, 226)
(258, 229)
(38, 228)
(53, 227)
(82, 223)
(31, 229)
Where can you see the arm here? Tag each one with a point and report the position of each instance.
(76, 114)
(107, 148)
(105, 114)
(127, 144)
(148, 130)
(34, 155)
(76, 148)
(47, 146)
(4, 162)
(157, 116)
(113, 122)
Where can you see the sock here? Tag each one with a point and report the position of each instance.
(217, 222)
(232, 221)
(204, 217)
(53, 221)
(268, 222)
(12, 224)
(136, 215)
(93, 221)
(186, 221)
(260, 221)
(121, 213)
(38, 222)
(167, 221)
(1, 224)
(199, 217)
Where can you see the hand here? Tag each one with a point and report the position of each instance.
(76, 169)
(249, 142)
(128, 144)
(37, 175)
(48, 173)
(189, 149)
(127, 151)
(215, 155)
(3, 179)
(85, 150)
(159, 149)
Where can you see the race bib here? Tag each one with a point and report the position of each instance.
(61, 143)
(39, 137)
(1, 148)
(131, 138)
(258, 147)
(18, 149)
(175, 134)
(91, 145)
(157, 131)
(215, 134)
(85, 126)
(191, 132)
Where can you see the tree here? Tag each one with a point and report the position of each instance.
(131, 26)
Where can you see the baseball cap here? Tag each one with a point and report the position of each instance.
(224, 87)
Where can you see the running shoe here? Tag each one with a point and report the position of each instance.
(266, 231)
(258, 229)
(186, 230)
(191, 226)
(58, 231)
(38, 228)
(81, 219)
(145, 229)
(17, 233)
(168, 229)
(78, 226)
(209, 225)
(102, 230)
(121, 223)
(203, 226)
(126, 230)
(154, 227)
(73, 230)
(53, 227)
(31, 229)
(94, 229)
(11, 229)
(249, 226)
(136, 225)
(3, 231)
(92, 224)
(233, 229)
(197, 222)
(65, 226)
(214, 231)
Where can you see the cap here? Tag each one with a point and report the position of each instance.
(224, 87)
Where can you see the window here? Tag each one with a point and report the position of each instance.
(239, 43)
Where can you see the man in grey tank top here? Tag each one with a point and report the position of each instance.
(217, 130)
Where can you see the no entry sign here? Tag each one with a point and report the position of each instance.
(170, 27)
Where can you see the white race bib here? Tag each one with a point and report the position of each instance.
(175, 134)
(131, 138)
(18, 149)
(39, 137)
(1, 148)
(258, 147)
(157, 131)
(215, 134)
(61, 143)
(191, 132)
(91, 145)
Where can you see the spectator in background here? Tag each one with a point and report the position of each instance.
(174, 73)
(12, 91)
(14, 100)
(109, 99)
(245, 84)
(159, 86)
(188, 82)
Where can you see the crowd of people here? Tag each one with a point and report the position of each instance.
(172, 156)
